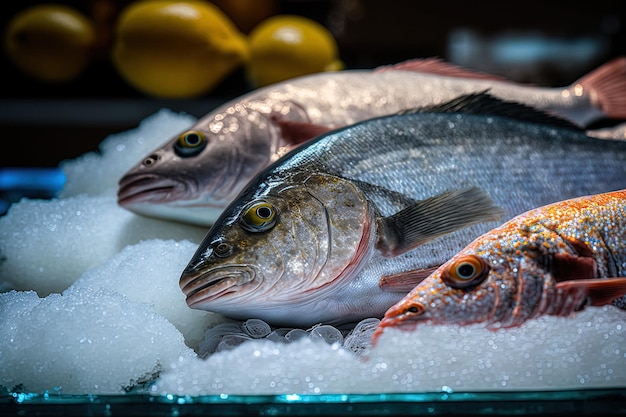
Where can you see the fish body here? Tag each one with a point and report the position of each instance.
(195, 174)
(552, 260)
(310, 237)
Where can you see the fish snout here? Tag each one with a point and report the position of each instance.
(134, 188)
(201, 287)
(403, 316)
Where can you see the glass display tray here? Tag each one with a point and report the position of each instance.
(596, 402)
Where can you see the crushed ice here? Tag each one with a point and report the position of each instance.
(91, 305)
(227, 336)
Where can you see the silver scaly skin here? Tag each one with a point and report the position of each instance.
(194, 175)
(313, 234)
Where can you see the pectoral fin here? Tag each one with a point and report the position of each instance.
(296, 133)
(600, 291)
(436, 216)
(404, 281)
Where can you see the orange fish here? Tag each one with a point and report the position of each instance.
(553, 260)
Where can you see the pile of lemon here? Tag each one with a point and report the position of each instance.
(168, 48)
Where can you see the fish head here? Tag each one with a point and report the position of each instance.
(501, 279)
(196, 173)
(460, 291)
(286, 249)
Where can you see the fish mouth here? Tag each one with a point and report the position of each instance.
(206, 286)
(152, 188)
(396, 323)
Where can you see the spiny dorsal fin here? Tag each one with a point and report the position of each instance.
(486, 104)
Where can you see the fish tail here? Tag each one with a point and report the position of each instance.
(607, 84)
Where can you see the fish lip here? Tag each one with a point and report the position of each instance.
(151, 188)
(399, 323)
(396, 323)
(206, 286)
(406, 322)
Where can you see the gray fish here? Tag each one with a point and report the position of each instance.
(194, 175)
(310, 237)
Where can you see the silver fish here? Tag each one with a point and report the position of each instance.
(194, 175)
(309, 238)
(552, 260)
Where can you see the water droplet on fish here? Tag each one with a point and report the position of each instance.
(578, 90)
(216, 127)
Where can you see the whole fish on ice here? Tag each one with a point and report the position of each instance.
(195, 174)
(310, 237)
(552, 260)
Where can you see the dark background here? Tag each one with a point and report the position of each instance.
(42, 124)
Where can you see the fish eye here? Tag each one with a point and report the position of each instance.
(190, 143)
(258, 216)
(465, 271)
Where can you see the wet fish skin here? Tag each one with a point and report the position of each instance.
(321, 249)
(552, 260)
(194, 175)
(389, 163)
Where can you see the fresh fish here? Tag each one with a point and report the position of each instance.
(195, 174)
(309, 238)
(553, 260)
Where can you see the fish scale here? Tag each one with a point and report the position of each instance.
(380, 153)
(394, 161)
(193, 181)
(553, 259)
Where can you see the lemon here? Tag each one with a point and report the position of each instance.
(176, 49)
(287, 46)
(51, 42)
(246, 14)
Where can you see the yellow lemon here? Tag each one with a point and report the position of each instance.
(176, 49)
(246, 14)
(287, 46)
(50, 42)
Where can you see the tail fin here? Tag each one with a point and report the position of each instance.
(608, 84)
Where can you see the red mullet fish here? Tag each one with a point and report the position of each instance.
(309, 238)
(195, 174)
(553, 260)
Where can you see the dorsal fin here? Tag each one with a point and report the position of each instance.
(486, 104)
(437, 66)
